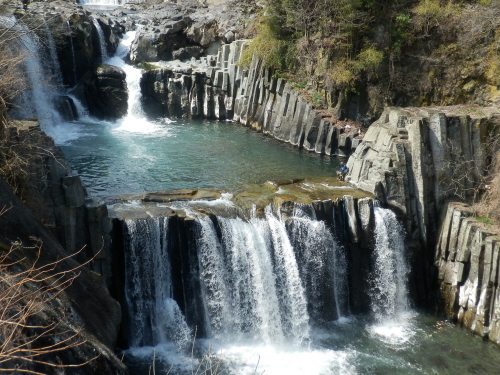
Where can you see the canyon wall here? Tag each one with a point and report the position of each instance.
(56, 196)
(467, 259)
(416, 159)
(217, 88)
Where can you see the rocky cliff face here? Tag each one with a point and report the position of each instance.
(56, 196)
(217, 88)
(467, 259)
(104, 91)
(404, 160)
(84, 308)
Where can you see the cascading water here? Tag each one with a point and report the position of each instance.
(249, 298)
(72, 51)
(251, 279)
(154, 316)
(103, 2)
(389, 283)
(322, 264)
(54, 65)
(102, 41)
(39, 100)
(389, 291)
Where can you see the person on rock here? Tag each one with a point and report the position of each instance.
(342, 171)
(25, 5)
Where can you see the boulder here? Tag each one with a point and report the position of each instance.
(105, 92)
(158, 42)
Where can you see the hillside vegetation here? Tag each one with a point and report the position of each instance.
(357, 56)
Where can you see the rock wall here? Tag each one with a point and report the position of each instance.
(103, 91)
(84, 308)
(467, 258)
(217, 88)
(404, 160)
(56, 196)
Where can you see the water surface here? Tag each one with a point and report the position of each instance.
(117, 158)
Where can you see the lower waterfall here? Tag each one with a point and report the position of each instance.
(270, 294)
(257, 280)
(272, 284)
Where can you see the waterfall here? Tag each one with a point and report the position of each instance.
(155, 316)
(54, 66)
(323, 264)
(262, 280)
(102, 41)
(72, 51)
(389, 290)
(41, 97)
(109, 2)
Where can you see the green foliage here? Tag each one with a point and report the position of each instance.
(317, 100)
(299, 85)
(369, 59)
(484, 220)
(401, 32)
(267, 46)
(148, 66)
(434, 13)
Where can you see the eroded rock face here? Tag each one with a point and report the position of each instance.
(85, 303)
(159, 42)
(188, 29)
(105, 91)
(76, 36)
(55, 195)
(404, 160)
(467, 259)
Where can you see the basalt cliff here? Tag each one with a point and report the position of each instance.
(190, 54)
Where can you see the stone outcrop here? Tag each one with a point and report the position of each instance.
(467, 258)
(104, 91)
(188, 29)
(217, 88)
(56, 196)
(404, 160)
(159, 43)
(77, 38)
(84, 307)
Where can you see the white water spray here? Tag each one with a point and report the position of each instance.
(155, 317)
(389, 282)
(135, 121)
(389, 289)
(39, 100)
(102, 40)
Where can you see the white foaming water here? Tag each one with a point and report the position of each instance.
(44, 85)
(102, 40)
(155, 316)
(249, 360)
(135, 121)
(389, 292)
(321, 261)
(41, 93)
(72, 51)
